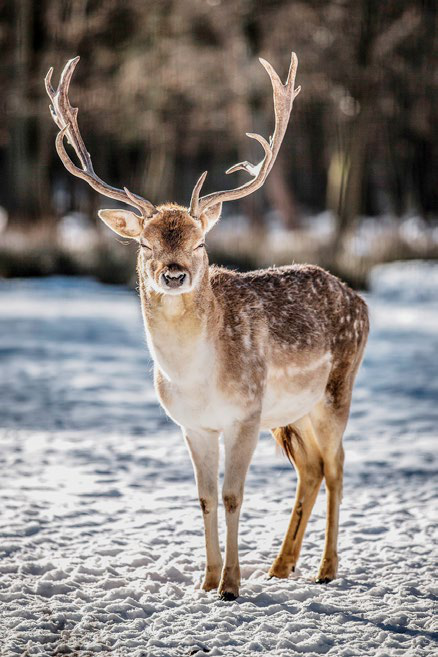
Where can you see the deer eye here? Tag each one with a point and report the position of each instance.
(145, 246)
(200, 246)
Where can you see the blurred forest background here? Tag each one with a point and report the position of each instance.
(168, 88)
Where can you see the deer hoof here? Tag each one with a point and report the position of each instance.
(327, 571)
(229, 584)
(212, 577)
(210, 582)
(208, 586)
(280, 570)
(323, 580)
(227, 596)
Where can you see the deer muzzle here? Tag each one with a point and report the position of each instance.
(173, 277)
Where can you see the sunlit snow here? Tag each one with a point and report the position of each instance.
(101, 544)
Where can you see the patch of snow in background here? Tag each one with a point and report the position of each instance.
(76, 232)
(101, 542)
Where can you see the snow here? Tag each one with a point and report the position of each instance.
(101, 546)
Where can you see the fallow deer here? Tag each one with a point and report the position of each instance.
(234, 353)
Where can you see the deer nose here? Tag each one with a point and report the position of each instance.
(173, 276)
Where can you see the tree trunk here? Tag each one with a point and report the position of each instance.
(159, 168)
(44, 205)
(351, 192)
(280, 194)
(22, 204)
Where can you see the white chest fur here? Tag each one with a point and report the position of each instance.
(191, 393)
(187, 372)
(178, 341)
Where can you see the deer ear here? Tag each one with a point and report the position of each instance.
(122, 222)
(210, 217)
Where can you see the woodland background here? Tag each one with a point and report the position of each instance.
(167, 89)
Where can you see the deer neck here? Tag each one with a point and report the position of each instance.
(177, 328)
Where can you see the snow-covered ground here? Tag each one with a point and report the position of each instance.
(101, 546)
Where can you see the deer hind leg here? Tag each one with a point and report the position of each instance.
(308, 464)
(329, 418)
(329, 426)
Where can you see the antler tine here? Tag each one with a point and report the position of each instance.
(69, 114)
(194, 201)
(284, 95)
(48, 82)
(65, 117)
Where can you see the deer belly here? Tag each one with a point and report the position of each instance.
(291, 392)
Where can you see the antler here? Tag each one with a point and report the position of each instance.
(284, 95)
(65, 117)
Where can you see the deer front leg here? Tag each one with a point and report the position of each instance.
(204, 451)
(239, 443)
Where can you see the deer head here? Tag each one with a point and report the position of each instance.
(171, 237)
